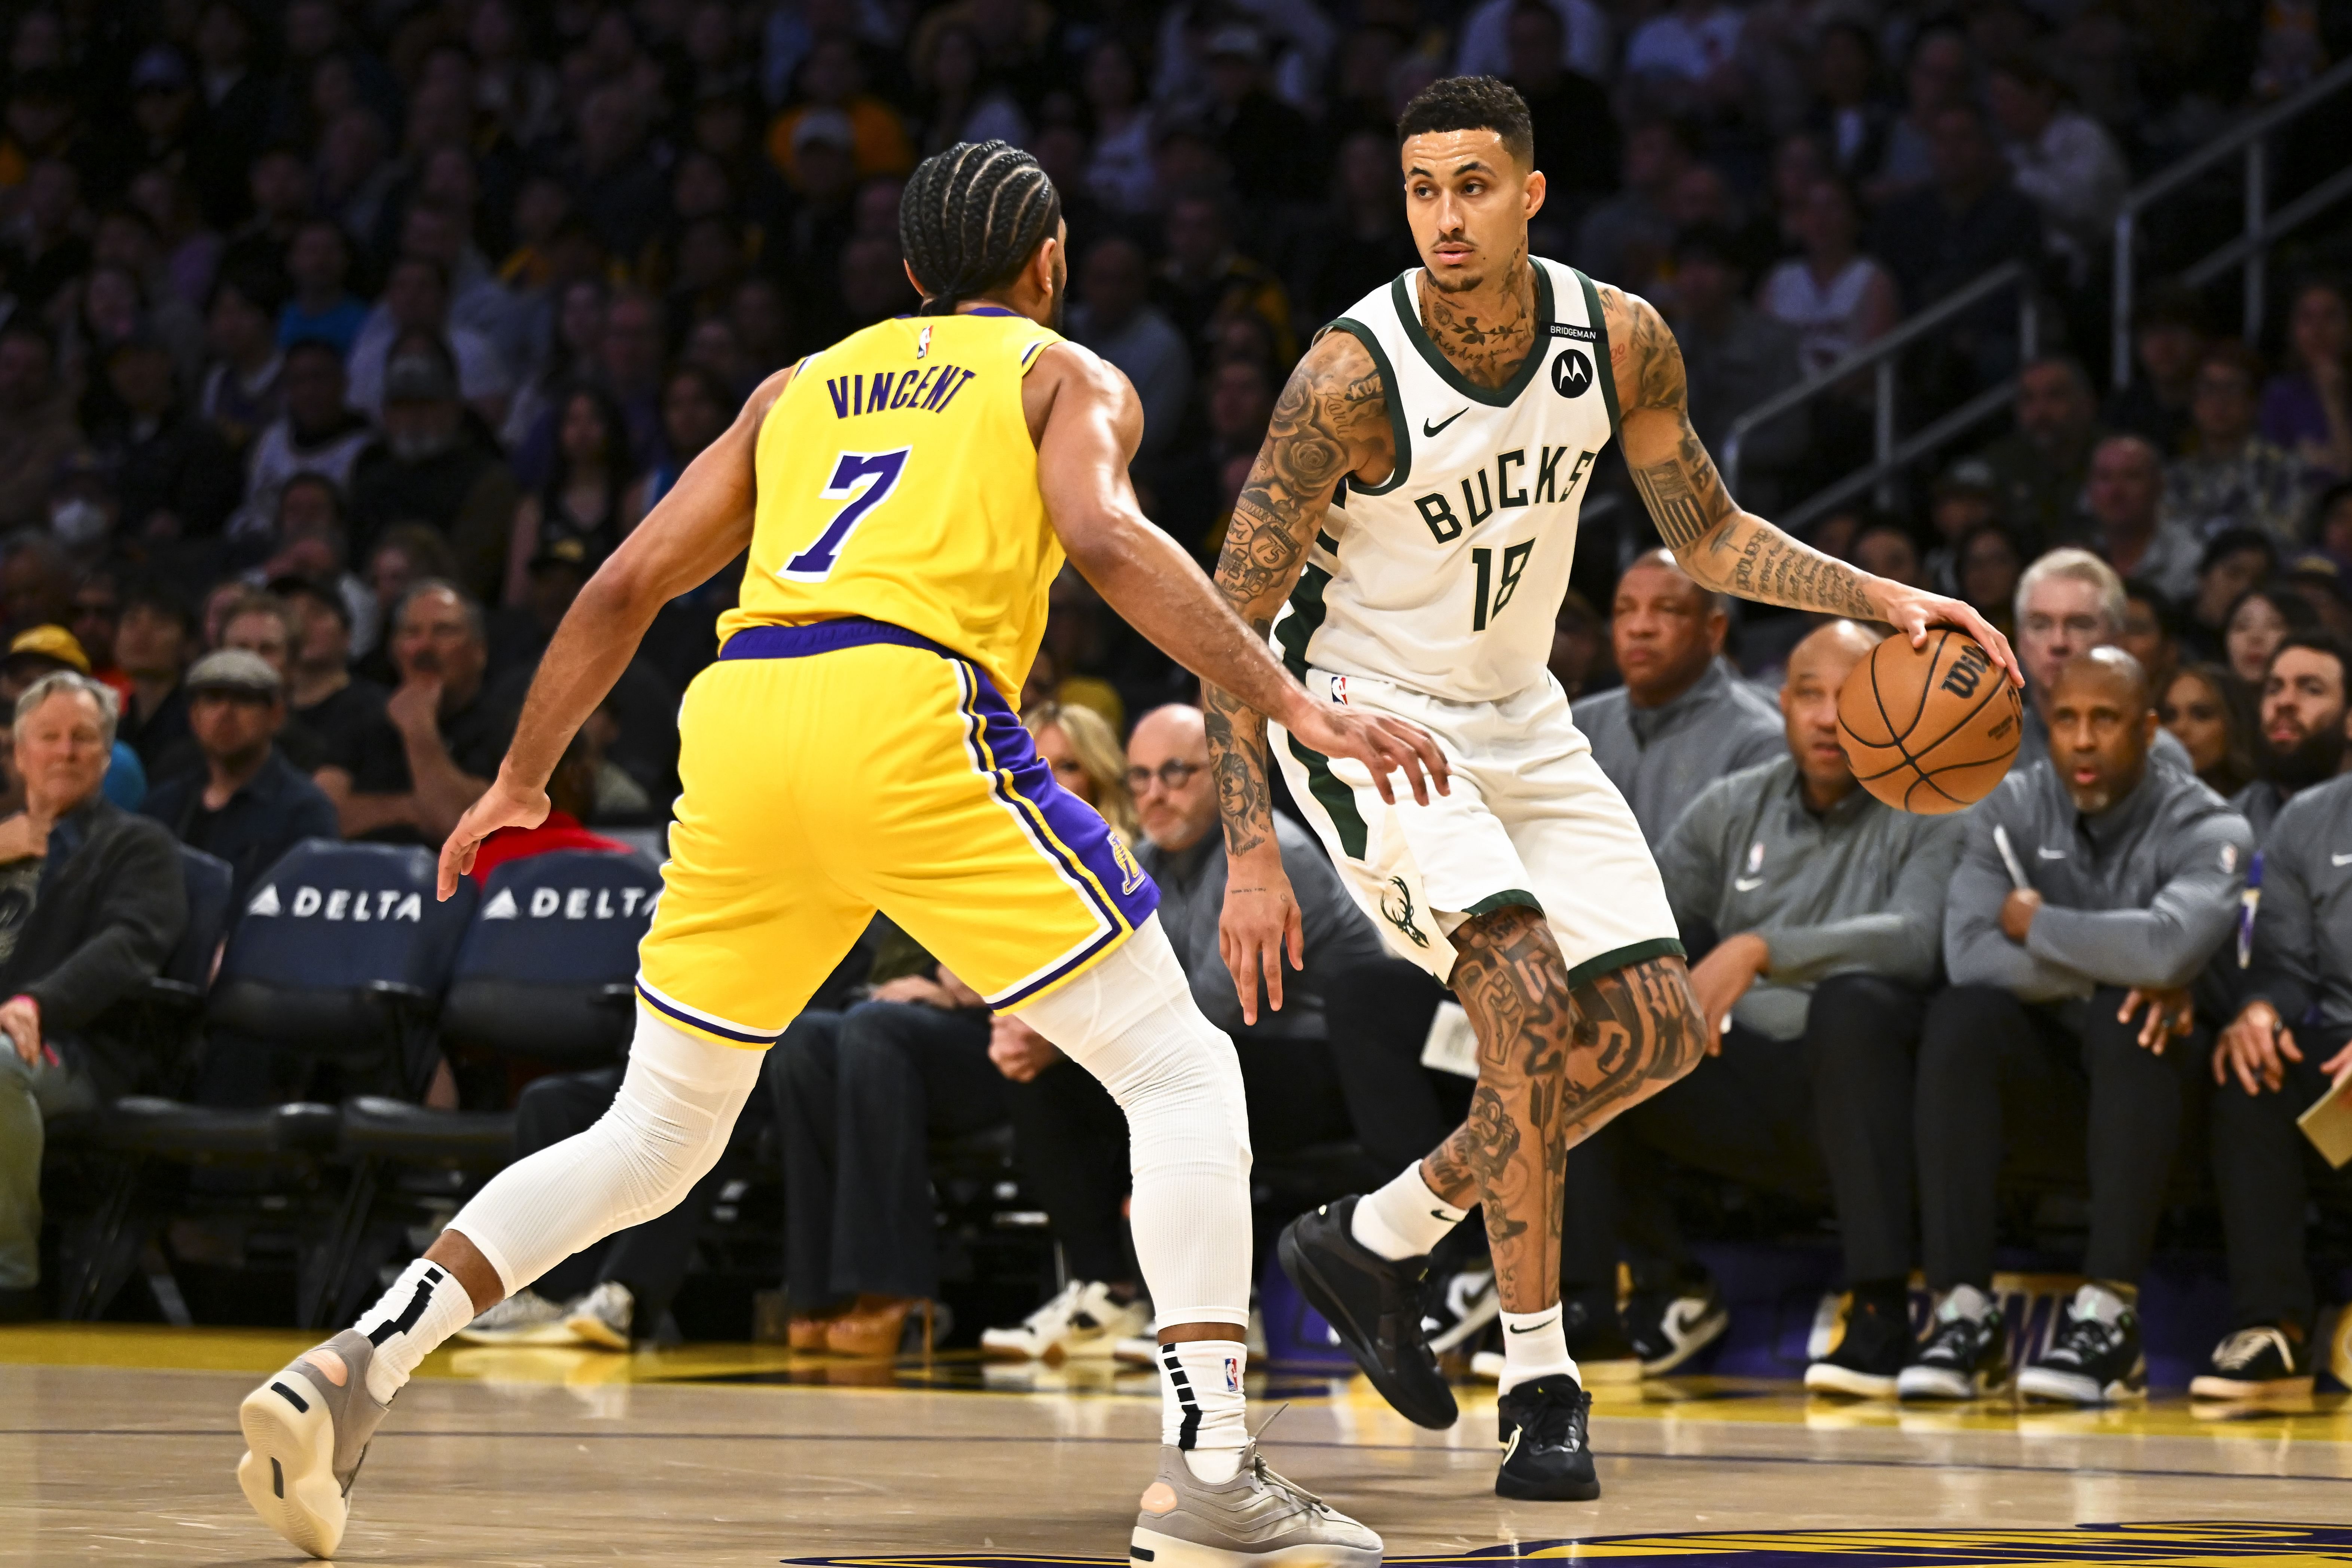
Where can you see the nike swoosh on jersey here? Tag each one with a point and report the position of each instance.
(1429, 429)
(1748, 884)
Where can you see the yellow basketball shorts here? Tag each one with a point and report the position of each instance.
(845, 767)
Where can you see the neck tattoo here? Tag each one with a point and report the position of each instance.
(1487, 331)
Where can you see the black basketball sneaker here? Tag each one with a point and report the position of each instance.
(1374, 1305)
(1544, 1426)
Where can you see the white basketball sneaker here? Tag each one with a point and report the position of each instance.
(1084, 1322)
(1255, 1518)
(604, 1317)
(306, 1431)
(525, 1318)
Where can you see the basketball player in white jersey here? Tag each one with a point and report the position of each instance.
(1406, 536)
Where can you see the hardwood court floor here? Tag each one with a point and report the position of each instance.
(116, 1445)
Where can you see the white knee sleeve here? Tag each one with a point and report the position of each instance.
(678, 1103)
(1131, 1021)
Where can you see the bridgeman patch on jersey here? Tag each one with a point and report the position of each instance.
(2181, 1543)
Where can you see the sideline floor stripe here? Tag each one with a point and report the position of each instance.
(1814, 1459)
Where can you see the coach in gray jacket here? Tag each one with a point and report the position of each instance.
(2291, 1039)
(1819, 912)
(1684, 718)
(2090, 884)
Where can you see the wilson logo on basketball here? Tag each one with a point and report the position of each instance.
(1966, 672)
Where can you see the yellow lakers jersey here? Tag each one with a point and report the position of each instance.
(897, 480)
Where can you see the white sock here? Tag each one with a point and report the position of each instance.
(1963, 1301)
(1201, 1405)
(1404, 1218)
(425, 1306)
(1534, 1346)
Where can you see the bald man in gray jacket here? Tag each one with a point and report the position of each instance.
(2092, 890)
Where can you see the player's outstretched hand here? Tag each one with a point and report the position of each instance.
(1260, 927)
(1912, 611)
(502, 806)
(1381, 743)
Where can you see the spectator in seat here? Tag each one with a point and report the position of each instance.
(450, 732)
(2209, 713)
(417, 302)
(1274, 153)
(107, 889)
(323, 309)
(2131, 532)
(37, 431)
(1814, 914)
(1967, 221)
(2065, 163)
(267, 626)
(2263, 617)
(2040, 470)
(1116, 319)
(2068, 603)
(2232, 477)
(2167, 340)
(1578, 143)
(314, 544)
(1683, 717)
(45, 651)
(1288, 1072)
(317, 434)
(2067, 1037)
(345, 712)
(2234, 560)
(1205, 277)
(250, 805)
(244, 389)
(2308, 411)
(2150, 632)
(1835, 298)
(1735, 358)
(154, 642)
(95, 615)
(437, 464)
(2304, 723)
(1628, 235)
(173, 475)
(2289, 1043)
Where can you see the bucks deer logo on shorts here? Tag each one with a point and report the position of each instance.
(1398, 912)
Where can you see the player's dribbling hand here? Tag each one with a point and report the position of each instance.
(1381, 743)
(1260, 927)
(502, 804)
(1913, 611)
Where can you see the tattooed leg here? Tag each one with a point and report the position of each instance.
(1553, 1067)
(1507, 1156)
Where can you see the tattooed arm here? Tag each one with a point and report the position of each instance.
(1722, 547)
(1331, 421)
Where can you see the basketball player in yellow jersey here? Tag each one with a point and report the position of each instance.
(907, 496)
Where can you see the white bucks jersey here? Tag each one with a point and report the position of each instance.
(1446, 578)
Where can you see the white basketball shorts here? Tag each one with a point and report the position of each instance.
(1531, 820)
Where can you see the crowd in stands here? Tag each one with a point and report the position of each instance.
(339, 344)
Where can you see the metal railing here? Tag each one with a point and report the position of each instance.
(1891, 454)
(2261, 230)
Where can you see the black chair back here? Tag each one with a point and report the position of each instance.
(548, 966)
(339, 945)
(210, 882)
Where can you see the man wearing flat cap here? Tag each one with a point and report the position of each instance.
(250, 805)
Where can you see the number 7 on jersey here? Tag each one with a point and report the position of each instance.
(878, 474)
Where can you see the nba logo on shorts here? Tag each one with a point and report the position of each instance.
(1233, 1374)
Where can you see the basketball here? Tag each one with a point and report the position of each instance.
(1929, 730)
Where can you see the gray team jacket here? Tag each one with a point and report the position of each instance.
(1856, 888)
(1192, 895)
(1660, 758)
(2140, 895)
(2303, 927)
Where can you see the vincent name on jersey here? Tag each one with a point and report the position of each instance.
(1437, 508)
(885, 391)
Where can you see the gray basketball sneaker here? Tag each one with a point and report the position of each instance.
(306, 1431)
(1257, 1520)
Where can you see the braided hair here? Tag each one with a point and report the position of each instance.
(970, 219)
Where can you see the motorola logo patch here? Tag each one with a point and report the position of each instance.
(1572, 373)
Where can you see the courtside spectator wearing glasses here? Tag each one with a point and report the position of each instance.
(91, 901)
(2068, 603)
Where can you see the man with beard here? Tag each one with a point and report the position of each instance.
(2288, 1044)
(2036, 1064)
(2304, 723)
